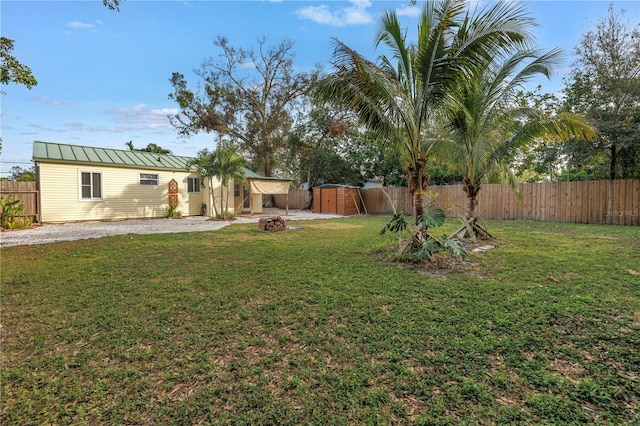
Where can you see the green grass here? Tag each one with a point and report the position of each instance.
(310, 327)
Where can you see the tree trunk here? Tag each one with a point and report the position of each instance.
(226, 201)
(612, 165)
(418, 205)
(472, 215)
(417, 182)
(309, 203)
(221, 201)
(212, 202)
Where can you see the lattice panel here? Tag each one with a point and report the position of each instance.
(173, 187)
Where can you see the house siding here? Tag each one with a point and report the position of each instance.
(122, 195)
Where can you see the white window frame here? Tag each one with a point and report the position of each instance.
(91, 185)
(148, 180)
(194, 185)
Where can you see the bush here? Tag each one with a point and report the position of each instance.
(10, 209)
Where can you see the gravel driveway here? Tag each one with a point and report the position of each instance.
(85, 230)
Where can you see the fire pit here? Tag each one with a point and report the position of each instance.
(271, 224)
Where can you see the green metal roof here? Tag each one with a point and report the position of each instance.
(63, 153)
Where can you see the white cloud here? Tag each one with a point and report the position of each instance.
(47, 100)
(141, 117)
(75, 126)
(84, 25)
(411, 11)
(48, 129)
(356, 14)
(80, 25)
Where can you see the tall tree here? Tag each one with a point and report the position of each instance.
(486, 128)
(11, 70)
(246, 96)
(605, 84)
(315, 153)
(398, 96)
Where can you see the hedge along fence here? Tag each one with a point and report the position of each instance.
(27, 193)
(614, 202)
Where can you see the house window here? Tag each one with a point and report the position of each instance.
(90, 186)
(148, 179)
(236, 190)
(193, 185)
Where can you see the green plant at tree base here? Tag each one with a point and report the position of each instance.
(228, 215)
(172, 211)
(421, 245)
(10, 209)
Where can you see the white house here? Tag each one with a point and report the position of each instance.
(81, 183)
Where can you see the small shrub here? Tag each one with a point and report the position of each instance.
(9, 211)
(172, 211)
(420, 245)
(19, 222)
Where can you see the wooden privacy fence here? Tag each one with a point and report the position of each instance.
(297, 199)
(27, 193)
(599, 202)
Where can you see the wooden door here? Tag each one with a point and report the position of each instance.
(329, 200)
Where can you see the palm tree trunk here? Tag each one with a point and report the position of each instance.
(221, 201)
(471, 228)
(226, 201)
(471, 214)
(471, 187)
(418, 205)
(417, 182)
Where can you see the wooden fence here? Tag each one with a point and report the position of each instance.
(27, 193)
(297, 199)
(599, 202)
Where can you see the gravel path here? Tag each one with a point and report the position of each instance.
(86, 230)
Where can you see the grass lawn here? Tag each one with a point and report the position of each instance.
(308, 326)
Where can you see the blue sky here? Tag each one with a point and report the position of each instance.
(103, 76)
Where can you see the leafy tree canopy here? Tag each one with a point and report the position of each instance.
(112, 4)
(11, 70)
(19, 174)
(246, 96)
(605, 84)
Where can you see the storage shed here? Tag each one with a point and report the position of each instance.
(337, 199)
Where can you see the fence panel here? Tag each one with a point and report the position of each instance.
(597, 202)
(27, 193)
(297, 199)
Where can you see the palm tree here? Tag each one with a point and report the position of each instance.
(207, 166)
(486, 129)
(398, 96)
(230, 165)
